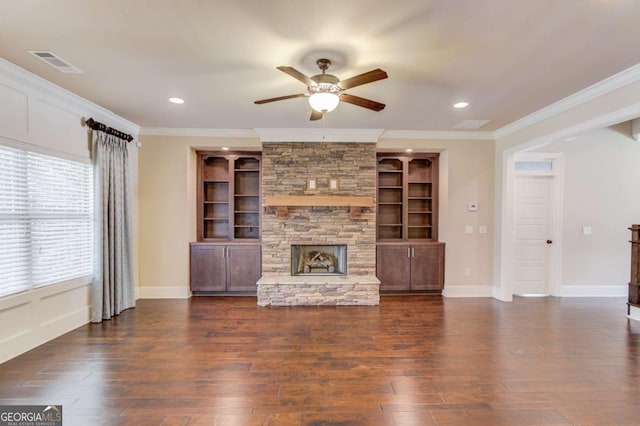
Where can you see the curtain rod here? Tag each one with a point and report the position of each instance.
(96, 125)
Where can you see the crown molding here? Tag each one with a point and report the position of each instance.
(267, 135)
(57, 95)
(318, 135)
(437, 135)
(616, 81)
(195, 132)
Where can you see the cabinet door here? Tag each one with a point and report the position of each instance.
(427, 267)
(243, 267)
(393, 267)
(208, 270)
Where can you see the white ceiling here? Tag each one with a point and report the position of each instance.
(508, 58)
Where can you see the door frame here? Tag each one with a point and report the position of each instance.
(555, 254)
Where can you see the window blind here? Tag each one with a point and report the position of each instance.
(46, 220)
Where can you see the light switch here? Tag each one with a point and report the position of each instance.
(586, 230)
(468, 229)
(482, 229)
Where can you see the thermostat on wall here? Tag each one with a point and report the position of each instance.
(472, 207)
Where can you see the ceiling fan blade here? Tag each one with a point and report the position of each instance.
(362, 102)
(315, 115)
(364, 78)
(297, 75)
(280, 98)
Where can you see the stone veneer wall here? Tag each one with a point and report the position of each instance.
(286, 167)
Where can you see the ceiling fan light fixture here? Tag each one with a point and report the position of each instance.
(324, 101)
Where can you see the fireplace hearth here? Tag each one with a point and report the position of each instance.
(323, 259)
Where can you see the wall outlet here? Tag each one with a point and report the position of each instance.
(468, 229)
(482, 229)
(467, 272)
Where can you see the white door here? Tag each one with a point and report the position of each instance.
(533, 235)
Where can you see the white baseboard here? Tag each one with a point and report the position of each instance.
(565, 291)
(594, 290)
(163, 293)
(468, 291)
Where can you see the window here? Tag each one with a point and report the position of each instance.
(46, 220)
(534, 166)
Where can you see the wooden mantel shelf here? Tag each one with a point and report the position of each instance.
(283, 202)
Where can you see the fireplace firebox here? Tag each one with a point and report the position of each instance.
(318, 259)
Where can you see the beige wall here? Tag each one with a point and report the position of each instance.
(167, 166)
(466, 176)
(167, 209)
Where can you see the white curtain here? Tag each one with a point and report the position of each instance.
(113, 287)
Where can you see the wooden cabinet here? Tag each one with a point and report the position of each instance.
(217, 267)
(408, 258)
(410, 267)
(227, 256)
(228, 196)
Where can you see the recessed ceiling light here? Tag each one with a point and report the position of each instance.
(225, 148)
(176, 100)
(461, 104)
(409, 150)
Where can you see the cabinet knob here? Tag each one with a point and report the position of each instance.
(549, 241)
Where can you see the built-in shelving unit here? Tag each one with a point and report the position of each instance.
(391, 203)
(407, 197)
(227, 256)
(229, 200)
(420, 200)
(409, 257)
(215, 198)
(246, 198)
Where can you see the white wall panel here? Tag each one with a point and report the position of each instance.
(14, 313)
(13, 112)
(56, 128)
(34, 317)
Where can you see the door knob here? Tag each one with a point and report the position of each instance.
(549, 241)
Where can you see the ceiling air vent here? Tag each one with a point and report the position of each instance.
(55, 61)
(471, 124)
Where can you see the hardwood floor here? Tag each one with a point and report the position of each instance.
(419, 360)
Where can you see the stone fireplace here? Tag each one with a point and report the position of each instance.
(287, 168)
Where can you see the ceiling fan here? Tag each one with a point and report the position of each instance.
(325, 91)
